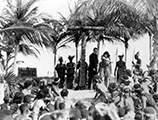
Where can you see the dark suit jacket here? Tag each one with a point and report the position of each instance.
(93, 61)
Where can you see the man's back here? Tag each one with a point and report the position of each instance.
(93, 60)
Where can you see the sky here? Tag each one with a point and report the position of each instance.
(45, 62)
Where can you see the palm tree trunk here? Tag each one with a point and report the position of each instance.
(15, 57)
(55, 58)
(150, 47)
(83, 63)
(155, 44)
(125, 55)
(98, 47)
(76, 61)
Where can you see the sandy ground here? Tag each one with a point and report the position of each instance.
(81, 94)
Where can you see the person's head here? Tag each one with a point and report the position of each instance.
(60, 59)
(112, 87)
(126, 80)
(116, 96)
(106, 54)
(41, 95)
(56, 81)
(5, 115)
(71, 58)
(6, 99)
(121, 57)
(121, 112)
(95, 50)
(127, 92)
(18, 97)
(137, 66)
(45, 90)
(150, 113)
(27, 84)
(61, 105)
(27, 99)
(75, 114)
(137, 55)
(138, 88)
(24, 108)
(64, 93)
(128, 72)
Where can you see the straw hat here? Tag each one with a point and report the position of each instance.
(56, 80)
(120, 56)
(137, 88)
(70, 57)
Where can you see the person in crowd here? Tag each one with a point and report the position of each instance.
(126, 83)
(63, 99)
(61, 71)
(5, 115)
(16, 102)
(138, 60)
(138, 73)
(27, 100)
(147, 99)
(5, 105)
(24, 113)
(38, 105)
(128, 101)
(55, 87)
(70, 72)
(150, 114)
(105, 68)
(93, 65)
(100, 88)
(120, 68)
(27, 87)
(129, 74)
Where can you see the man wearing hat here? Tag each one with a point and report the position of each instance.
(70, 66)
(120, 68)
(93, 65)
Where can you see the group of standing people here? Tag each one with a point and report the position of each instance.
(66, 72)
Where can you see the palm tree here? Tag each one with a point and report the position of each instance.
(110, 16)
(24, 49)
(59, 36)
(19, 19)
(149, 10)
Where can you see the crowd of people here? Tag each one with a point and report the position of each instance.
(133, 95)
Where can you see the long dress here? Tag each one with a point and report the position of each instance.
(61, 69)
(121, 65)
(70, 74)
(105, 71)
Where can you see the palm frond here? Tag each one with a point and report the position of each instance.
(28, 50)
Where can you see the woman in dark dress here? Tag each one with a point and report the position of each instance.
(70, 72)
(61, 71)
(120, 69)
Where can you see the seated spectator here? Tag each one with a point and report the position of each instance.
(27, 87)
(5, 105)
(64, 98)
(24, 113)
(5, 115)
(74, 114)
(17, 100)
(55, 87)
(150, 114)
(38, 105)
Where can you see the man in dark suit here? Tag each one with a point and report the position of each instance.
(93, 64)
